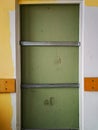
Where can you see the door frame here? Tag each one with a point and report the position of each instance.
(81, 60)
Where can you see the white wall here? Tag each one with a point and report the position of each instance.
(91, 66)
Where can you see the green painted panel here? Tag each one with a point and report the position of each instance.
(50, 22)
(49, 64)
(55, 107)
(50, 108)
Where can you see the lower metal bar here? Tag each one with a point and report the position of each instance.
(54, 129)
(72, 44)
(63, 85)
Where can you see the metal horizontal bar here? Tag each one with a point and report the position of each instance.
(60, 85)
(68, 44)
(54, 129)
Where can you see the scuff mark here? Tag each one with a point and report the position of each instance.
(58, 60)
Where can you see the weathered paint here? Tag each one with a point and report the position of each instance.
(12, 43)
(6, 64)
(12, 39)
(91, 2)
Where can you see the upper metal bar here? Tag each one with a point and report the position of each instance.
(54, 129)
(54, 43)
(60, 85)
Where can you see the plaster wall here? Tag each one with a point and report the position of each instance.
(91, 65)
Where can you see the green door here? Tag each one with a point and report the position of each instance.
(50, 76)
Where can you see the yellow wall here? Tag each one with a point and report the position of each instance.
(91, 2)
(38, 1)
(6, 63)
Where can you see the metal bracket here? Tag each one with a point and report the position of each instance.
(7, 85)
(91, 84)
